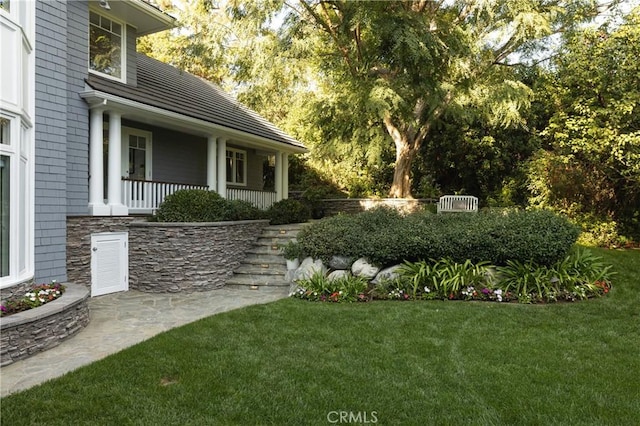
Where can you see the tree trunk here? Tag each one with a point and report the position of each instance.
(405, 153)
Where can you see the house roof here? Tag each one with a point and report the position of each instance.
(163, 86)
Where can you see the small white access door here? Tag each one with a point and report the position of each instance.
(109, 263)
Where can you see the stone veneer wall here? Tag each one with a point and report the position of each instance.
(357, 205)
(16, 290)
(36, 330)
(187, 257)
(79, 230)
(165, 257)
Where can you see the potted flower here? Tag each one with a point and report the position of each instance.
(292, 253)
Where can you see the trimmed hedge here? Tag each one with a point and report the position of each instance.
(385, 237)
(288, 211)
(198, 205)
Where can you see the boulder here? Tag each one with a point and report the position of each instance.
(387, 274)
(308, 268)
(362, 268)
(337, 274)
(340, 262)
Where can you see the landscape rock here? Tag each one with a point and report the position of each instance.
(337, 274)
(308, 268)
(340, 262)
(362, 268)
(387, 274)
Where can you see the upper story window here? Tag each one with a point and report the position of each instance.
(236, 167)
(6, 5)
(106, 46)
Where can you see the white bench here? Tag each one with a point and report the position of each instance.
(457, 203)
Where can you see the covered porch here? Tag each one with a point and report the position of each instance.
(149, 141)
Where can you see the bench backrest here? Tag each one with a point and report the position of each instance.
(458, 203)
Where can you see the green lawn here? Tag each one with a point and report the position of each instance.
(436, 362)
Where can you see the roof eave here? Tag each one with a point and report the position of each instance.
(96, 98)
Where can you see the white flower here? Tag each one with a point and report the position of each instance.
(426, 290)
(498, 292)
(33, 299)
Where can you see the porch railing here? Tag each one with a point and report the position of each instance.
(143, 196)
(261, 199)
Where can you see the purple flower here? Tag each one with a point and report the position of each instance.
(2, 308)
(486, 291)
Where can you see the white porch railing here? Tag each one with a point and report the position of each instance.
(143, 196)
(261, 199)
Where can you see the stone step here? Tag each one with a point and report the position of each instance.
(264, 269)
(261, 241)
(280, 233)
(271, 250)
(260, 259)
(250, 281)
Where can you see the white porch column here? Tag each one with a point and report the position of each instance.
(285, 175)
(222, 167)
(97, 207)
(212, 164)
(278, 182)
(114, 170)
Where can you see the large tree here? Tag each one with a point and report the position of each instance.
(377, 73)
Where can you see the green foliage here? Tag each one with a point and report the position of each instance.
(288, 211)
(191, 205)
(385, 237)
(344, 289)
(243, 210)
(590, 167)
(402, 66)
(291, 250)
(198, 205)
(579, 276)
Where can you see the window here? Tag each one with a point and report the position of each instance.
(4, 132)
(105, 46)
(5, 217)
(6, 5)
(236, 167)
(137, 157)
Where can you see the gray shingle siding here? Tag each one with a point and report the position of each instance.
(51, 137)
(77, 110)
(132, 66)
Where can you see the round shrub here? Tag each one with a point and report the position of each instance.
(191, 205)
(243, 210)
(198, 205)
(288, 211)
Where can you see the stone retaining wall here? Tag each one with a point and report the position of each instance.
(36, 330)
(79, 230)
(187, 257)
(165, 257)
(357, 205)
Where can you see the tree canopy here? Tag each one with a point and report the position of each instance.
(358, 79)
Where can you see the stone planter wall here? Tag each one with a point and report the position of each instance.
(36, 330)
(187, 257)
(16, 290)
(357, 205)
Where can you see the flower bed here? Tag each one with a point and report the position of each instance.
(579, 276)
(36, 296)
(35, 330)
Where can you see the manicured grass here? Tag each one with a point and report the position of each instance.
(413, 363)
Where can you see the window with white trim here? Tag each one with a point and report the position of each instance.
(15, 200)
(106, 46)
(236, 166)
